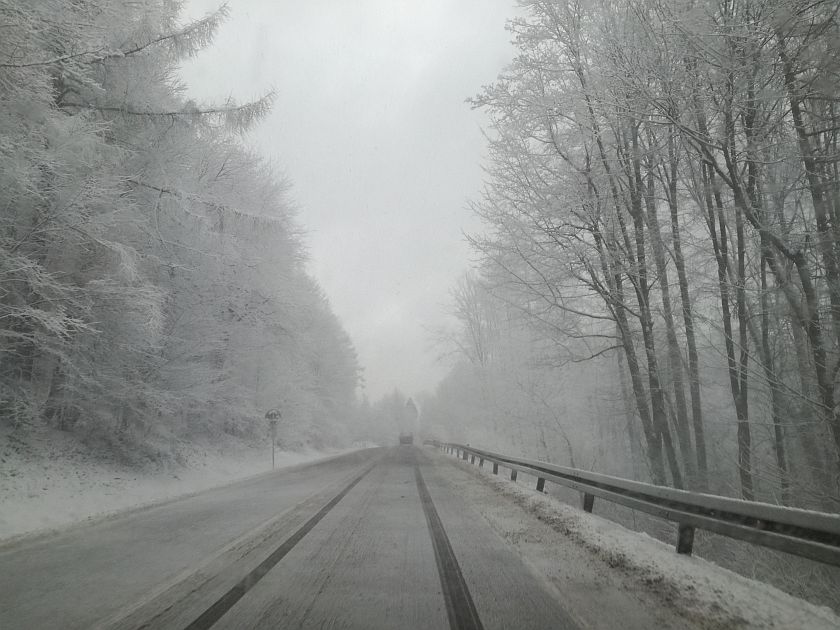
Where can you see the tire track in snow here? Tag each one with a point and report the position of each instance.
(226, 601)
(460, 607)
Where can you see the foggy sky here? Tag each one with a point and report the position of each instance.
(371, 127)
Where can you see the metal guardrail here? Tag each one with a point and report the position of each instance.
(814, 535)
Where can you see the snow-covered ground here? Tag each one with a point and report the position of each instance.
(53, 482)
(693, 587)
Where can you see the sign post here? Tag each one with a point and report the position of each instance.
(273, 415)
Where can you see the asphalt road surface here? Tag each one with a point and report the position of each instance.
(373, 539)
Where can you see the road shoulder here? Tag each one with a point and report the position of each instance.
(612, 577)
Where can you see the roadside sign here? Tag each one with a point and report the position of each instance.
(273, 415)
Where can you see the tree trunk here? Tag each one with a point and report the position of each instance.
(674, 356)
(629, 414)
(615, 302)
(688, 323)
(657, 395)
(716, 223)
(775, 389)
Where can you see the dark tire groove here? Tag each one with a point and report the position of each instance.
(226, 601)
(460, 608)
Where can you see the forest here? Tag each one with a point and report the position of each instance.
(658, 287)
(658, 293)
(152, 271)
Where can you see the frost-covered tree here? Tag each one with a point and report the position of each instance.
(662, 192)
(151, 270)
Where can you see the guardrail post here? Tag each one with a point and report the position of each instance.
(588, 500)
(480, 462)
(540, 484)
(685, 539)
(464, 457)
(495, 468)
(513, 475)
(472, 459)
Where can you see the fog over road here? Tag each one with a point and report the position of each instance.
(374, 539)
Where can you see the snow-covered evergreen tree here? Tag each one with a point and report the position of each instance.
(151, 270)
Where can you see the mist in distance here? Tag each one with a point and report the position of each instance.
(371, 126)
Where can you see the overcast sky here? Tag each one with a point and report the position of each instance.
(371, 127)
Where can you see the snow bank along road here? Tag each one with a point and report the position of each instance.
(380, 538)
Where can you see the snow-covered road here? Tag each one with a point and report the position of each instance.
(383, 538)
(88, 573)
